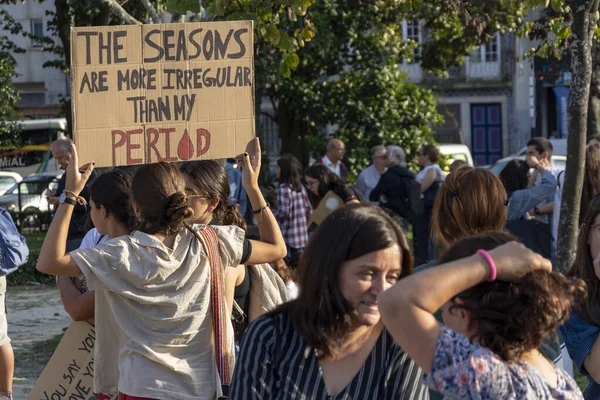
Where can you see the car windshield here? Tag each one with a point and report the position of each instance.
(6, 182)
(31, 187)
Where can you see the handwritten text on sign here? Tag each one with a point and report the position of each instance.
(69, 374)
(170, 92)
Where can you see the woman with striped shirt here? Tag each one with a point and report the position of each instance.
(330, 343)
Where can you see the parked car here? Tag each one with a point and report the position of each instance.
(559, 147)
(456, 152)
(33, 190)
(8, 180)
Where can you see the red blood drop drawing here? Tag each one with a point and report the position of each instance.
(185, 149)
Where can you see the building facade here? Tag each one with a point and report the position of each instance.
(40, 88)
(489, 102)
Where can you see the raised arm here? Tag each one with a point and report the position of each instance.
(53, 259)
(413, 300)
(271, 246)
(524, 200)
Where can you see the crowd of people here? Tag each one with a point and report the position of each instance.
(200, 289)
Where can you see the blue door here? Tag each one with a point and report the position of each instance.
(486, 133)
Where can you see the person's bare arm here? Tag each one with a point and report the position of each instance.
(53, 259)
(271, 246)
(430, 177)
(547, 208)
(413, 300)
(233, 277)
(80, 306)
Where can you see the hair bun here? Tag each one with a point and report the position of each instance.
(177, 210)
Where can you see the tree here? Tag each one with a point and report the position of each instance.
(10, 131)
(585, 25)
(569, 27)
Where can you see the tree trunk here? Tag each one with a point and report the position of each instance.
(584, 22)
(594, 102)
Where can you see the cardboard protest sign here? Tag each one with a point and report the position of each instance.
(328, 204)
(69, 374)
(162, 92)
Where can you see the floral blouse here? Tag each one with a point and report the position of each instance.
(465, 370)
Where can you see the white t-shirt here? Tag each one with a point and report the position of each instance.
(92, 238)
(440, 174)
(153, 314)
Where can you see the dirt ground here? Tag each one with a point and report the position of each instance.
(36, 320)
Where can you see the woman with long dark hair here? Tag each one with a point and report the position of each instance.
(330, 342)
(157, 289)
(582, 330)
(320, 180)
(293, 207)
(208, 189)
(112, 214)
(499, 301)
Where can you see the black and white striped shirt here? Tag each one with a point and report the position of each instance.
(276, 363)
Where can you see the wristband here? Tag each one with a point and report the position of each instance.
(260, 210)
(76, 198)
(488, 259)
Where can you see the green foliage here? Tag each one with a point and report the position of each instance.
(10, 131)
(379, 106)
(279, 26)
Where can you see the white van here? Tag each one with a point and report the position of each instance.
(456, 152)
(34, 156)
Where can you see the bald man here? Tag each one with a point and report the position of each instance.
(333, 158)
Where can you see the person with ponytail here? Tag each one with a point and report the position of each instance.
(156, 289)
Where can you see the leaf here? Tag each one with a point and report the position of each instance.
(284, 69)
(284, 40)
(220, 7)
(183, 6)
(293, 61)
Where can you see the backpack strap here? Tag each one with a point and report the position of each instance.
(208, 237)
(100, 239)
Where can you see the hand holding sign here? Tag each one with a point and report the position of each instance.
(76, 179)
(249, 164)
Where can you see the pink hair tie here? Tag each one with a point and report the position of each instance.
(488, 259)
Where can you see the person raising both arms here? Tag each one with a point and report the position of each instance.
(207, 187)
(153, 288)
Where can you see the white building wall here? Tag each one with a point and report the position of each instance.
(30, 64)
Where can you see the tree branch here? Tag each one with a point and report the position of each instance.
(266, 114)
(121, 13)
(153, 14)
